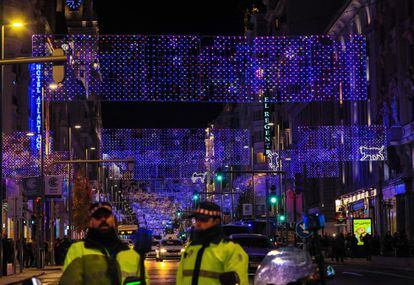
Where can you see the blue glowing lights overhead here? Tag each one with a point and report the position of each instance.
(173, 153)
(207, 69)
(342, 143)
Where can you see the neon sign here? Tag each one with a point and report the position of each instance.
(199, 177)
(372, 153)
(274, 160)
(35, 98)
(266, 125)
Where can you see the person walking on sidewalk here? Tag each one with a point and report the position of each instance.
(211, 259)
(367, 240)
(339, 247)
(101, 258)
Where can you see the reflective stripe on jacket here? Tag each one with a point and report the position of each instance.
(84, 265)
(225, 256)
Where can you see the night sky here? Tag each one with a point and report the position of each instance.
(212, 17)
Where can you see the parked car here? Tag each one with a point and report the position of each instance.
(256, 247)
(169, 249)
(231, 229)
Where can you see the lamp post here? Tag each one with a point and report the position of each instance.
(77, 127)
(87, 151)
(15, 25)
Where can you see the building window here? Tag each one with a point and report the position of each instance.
(368, 12)
(258, 115)
(258, 136)
(260, 158)
(358, 28)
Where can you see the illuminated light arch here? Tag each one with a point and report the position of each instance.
(207, 69)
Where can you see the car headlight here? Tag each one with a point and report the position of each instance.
(163, 250)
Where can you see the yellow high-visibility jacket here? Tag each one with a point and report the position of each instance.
(225, 256)
(91, 265)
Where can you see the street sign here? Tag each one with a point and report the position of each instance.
(32, 187)
(53, 185)
(301, 231)
(247, 209)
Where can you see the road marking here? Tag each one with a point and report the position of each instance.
(352, 273)
(388, 274)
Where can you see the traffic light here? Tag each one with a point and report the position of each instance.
(273, 199)
(58, 70)
(281, 218)
(299, 183)
(219, 175)
(196, 196)
(179, 214)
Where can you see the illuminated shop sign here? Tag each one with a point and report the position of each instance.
(35, 99)
(267, 125)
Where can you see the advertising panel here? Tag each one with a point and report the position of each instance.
(361, 227)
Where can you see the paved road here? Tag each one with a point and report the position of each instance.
(159, 272)
(162, 272)
(349, 274)
(366, 275)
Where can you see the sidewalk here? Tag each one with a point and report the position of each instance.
(27, 273)
(401, 263)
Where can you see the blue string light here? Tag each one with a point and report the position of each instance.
(207, 69)
(342, 143)
(20, 159)
(173, 153)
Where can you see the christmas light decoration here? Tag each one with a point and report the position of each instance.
(21, 160)
(229, 147)
(341, 143)
(210, 69)
(173, 153)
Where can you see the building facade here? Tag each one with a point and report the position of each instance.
(389, 30)
(43, 17)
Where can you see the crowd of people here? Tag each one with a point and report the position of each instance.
(339, 246)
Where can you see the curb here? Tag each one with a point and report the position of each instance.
(25, 278)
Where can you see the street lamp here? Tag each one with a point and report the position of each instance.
(53, 86)
(15, 25)
(86, 158)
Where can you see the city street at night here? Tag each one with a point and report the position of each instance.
(221, 142)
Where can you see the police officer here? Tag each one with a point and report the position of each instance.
(101, 258)
(210, 258)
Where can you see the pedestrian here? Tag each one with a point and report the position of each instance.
(395, 243)
(32, 251)
(26, 253)
(210, 257)
(339, 247)
(6, 254)
(101, 258)
(367, 240)
(376, 245)
(387, 244)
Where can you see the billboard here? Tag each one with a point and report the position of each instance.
(361, 227)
